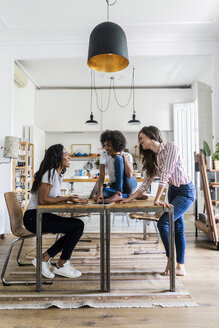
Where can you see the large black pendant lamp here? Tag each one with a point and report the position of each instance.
(108, 47)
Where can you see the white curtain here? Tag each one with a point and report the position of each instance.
(185, 132)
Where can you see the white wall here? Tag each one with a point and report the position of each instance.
(67, 110)
(37, 137)
(6, 129)
(17, 108)
(207, 76)
(24, 108)
(205, 120)
(215, 95)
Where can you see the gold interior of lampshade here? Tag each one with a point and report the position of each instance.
(108, 63)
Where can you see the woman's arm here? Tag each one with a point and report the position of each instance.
(44, 199)
(158, 194)
(43, 195)
(100, 183)
(132, 196)
(157, 201)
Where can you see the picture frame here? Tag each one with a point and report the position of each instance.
(81, 149)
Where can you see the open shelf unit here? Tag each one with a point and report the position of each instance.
(23, 173)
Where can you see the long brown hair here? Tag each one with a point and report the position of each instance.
(52, 160)
(149, 158)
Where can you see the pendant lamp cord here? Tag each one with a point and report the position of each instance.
(130, 94)
(112, 86)
(91, 93)
(109, 4)
(133, 89)
(109, 94)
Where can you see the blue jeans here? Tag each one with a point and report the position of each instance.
(181, 198)
(123, 183)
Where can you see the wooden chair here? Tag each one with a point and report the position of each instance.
(16, 222)
(148, 217)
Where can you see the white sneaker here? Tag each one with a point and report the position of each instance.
(45, 269)
(67, 271)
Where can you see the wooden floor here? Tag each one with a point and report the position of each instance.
(202, 281)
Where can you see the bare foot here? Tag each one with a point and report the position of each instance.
(167, 269)
(142, 197)
(180, 269)
(114, 198)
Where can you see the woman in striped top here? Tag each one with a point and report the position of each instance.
(163, 160)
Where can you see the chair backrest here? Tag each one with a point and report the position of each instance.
(16, 215)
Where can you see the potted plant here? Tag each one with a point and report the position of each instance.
(97, 163)
(207, 153)
(215, 157)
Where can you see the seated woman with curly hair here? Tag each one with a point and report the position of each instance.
(119, 165)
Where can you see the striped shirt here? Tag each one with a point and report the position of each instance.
(170, 168)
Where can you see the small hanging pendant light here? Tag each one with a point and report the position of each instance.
(91, 121)
(133, 121)
(108, 47)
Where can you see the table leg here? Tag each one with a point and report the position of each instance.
(102, 253)
(71, 186)
(171, 250)
(108, 224)
(144, 230)
(39, 252)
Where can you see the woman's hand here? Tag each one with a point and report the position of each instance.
(161, 203)
(75, 199)
(81, 200)
(99, 197)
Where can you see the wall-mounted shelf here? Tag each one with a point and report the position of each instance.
(83, 158)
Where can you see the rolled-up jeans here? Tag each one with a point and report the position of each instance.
(181, 198)
(124, 184)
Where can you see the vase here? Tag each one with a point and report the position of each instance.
(209, 162)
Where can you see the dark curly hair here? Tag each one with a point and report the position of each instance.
(115, 137)
(149, 158)
(52, 160)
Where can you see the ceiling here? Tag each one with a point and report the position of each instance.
(149, 72)
(70, 22)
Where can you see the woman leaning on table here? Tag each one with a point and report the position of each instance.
(163, 160)
(45, 191)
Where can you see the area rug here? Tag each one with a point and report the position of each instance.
(136, 280)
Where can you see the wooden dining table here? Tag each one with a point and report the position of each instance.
(104, 211)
